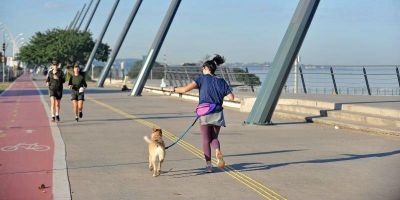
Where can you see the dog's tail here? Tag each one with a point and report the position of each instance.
(147, 139)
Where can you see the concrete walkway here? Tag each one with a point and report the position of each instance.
(106, 155)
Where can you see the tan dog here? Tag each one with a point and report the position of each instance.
(156, 151)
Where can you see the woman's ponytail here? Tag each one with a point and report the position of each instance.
(218, 60)
(214, 63)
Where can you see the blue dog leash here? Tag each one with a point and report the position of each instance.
(201, 110)
(184, 133)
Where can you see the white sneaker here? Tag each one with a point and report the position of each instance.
(209, 169)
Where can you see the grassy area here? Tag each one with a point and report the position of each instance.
(3, 86)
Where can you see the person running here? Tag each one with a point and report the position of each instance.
(55, 80)
(77, 84)
(212, 89)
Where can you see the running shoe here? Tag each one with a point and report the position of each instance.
(208, 169)
(220, 161)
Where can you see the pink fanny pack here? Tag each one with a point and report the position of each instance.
(201, 110)
(205, 108)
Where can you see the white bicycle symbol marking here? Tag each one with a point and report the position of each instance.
(34, 147)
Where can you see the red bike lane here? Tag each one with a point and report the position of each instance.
(26, 143)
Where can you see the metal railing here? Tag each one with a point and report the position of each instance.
(311, 79)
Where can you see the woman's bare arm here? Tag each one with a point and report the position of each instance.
(231, 96)
(186, 88)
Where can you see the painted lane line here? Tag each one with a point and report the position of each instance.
(232, 172)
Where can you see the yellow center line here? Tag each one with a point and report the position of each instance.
(239, 176)
(231, 171)
(254, 185)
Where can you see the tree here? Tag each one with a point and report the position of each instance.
(158, 70)
(245, 77)
(62, 45)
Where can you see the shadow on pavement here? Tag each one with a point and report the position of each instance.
(184, 173)
(348, 157)
(263, 153)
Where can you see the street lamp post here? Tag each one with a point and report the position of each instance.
(123, 70)
(18, 45)
(110, 73)
(4, 61)
(4, 52)
(16, 42)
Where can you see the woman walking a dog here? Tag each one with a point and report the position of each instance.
(212, 89)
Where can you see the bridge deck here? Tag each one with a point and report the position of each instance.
(106, 155)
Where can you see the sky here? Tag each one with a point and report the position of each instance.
(343, 32)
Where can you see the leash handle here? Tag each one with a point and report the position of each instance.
(184, 133)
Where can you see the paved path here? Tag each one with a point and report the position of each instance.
(106, 155)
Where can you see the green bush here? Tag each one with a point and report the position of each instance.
(158, 70)
(246, 78)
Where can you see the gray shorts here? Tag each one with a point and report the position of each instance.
(216, 119)
(75, 95)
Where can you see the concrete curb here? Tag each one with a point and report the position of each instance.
(326, 121)
(357, 127)
(371, 110)
(245, 106)
(61, 187)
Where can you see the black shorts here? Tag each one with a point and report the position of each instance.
(56, 93)
(75, 95)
